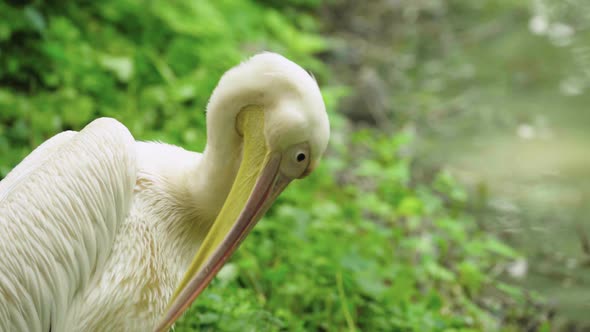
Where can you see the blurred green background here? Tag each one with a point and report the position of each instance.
(453, 196)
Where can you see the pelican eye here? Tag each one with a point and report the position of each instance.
(295, 160)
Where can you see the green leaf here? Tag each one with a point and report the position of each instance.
(121, 66)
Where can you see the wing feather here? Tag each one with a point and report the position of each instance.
(59, 213)
(34, 160)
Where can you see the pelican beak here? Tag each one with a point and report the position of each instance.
(258, 183)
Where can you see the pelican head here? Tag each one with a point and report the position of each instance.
(269, 111)
(294, 110)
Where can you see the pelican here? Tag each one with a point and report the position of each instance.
(99, 232)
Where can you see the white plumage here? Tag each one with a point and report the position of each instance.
(96, 229)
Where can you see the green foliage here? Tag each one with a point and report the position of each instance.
(152, 65)
(359, 245)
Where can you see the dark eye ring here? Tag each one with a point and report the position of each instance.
(300, 157)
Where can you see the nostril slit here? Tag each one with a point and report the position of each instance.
(300, 157)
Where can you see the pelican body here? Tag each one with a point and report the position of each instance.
(99, 232)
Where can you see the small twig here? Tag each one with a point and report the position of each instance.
(584, 242)
(162, 67)
(347, 315)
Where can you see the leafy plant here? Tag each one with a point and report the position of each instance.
(152, 65)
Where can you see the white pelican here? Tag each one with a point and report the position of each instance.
(98, 230)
